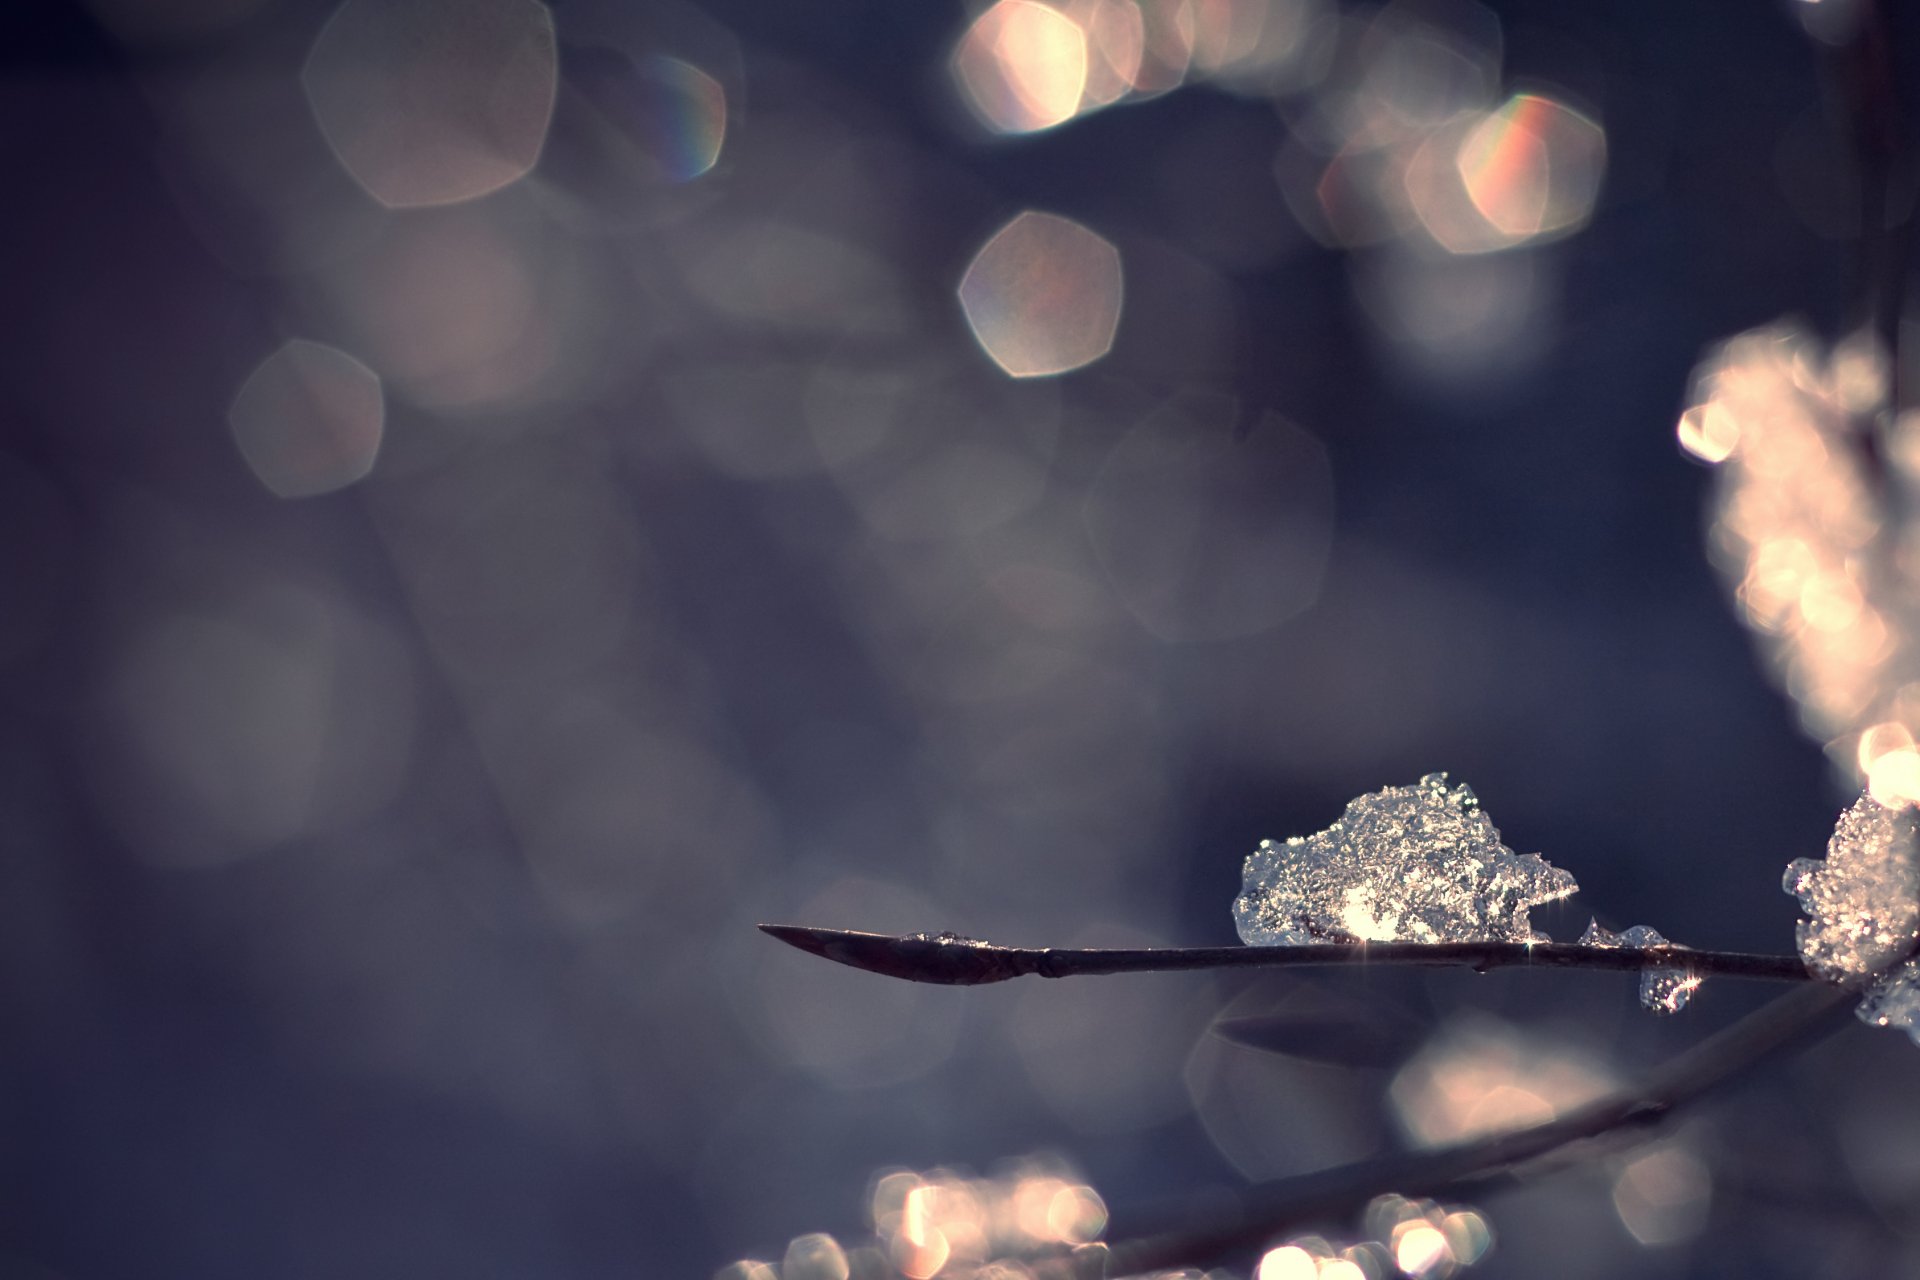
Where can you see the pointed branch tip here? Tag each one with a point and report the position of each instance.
(914, 957)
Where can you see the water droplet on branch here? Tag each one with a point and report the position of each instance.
(1662, 990)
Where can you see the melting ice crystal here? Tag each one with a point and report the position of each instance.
(1407, 864)
(1863, 904)
(1661, 990)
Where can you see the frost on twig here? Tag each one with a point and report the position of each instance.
(1863, 908)
(1410, 864)
(1662, 990)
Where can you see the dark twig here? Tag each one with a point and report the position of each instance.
(1861, 67)
(945, 958)
(1857, 52)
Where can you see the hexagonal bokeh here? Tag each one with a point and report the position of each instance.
(1533, 167)
(308, 420)
(434, 101)
(682, 111)
(1022, 67)
(1043, 295)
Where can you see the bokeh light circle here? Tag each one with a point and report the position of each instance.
(1043, 295)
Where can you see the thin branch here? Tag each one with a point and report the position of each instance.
(947, 959)
(1477, 1167)
(1861, 66)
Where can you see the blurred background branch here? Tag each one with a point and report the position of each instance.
(1494, 1163)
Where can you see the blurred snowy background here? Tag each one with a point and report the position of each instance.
(499, 498)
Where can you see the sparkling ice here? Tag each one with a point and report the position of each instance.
(1661, 990)
(1407, 864)
(1864, 907)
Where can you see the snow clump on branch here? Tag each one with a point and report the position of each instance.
(1863, 908)
(1404, 864)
